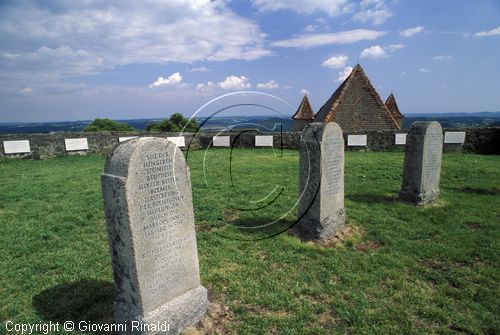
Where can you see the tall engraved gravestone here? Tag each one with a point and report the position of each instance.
(422, 165)
(149, 213)
(321, 211)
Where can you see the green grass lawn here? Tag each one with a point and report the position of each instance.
(399, 270)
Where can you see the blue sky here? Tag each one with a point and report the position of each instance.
(75, 60)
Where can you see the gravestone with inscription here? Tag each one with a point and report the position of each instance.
(321, 212)
(422, 164)
(149, 213)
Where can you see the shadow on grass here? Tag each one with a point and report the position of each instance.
(472, 190)
(372, 198)
(84, 300)
(256, 228)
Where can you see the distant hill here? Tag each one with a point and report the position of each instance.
(263, 123)
(456, 120)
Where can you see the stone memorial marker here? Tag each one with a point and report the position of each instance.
(454, 137)
(263, 141)
(400, 139)
(321, 211)
(126, 138)
(149, 214)
(422, 165)
(221, 141)
(179, 141)
(76, 144)
(16, 147)
(356, 140)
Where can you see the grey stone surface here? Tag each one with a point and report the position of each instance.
(43, 146)
(321, 211)
(149, 213)
(422, 164)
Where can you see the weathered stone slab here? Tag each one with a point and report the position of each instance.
(125, 138)
(456, 137)
(356, 140)
(422, 165)
(16, 147)
(400, 139)
(321, 211)
(76, 144)
(149, 214)
(179, 141)
(221, 141)
(263, 141)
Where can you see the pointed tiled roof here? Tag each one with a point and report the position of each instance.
(356, 106)
(392, 106)
(304, 112)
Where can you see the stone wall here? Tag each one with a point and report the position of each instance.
(51, 145)
(477, 140)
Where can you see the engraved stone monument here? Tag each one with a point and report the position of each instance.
(321, 212)
(422, 165)
(149, 214)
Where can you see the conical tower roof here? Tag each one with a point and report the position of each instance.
(356, 106)
(304, 112)
(392, 106)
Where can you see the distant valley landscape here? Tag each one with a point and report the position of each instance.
(263, 123)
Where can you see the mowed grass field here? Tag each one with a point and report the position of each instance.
(398, 269)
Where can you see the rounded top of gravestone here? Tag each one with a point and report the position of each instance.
(315, 131)
(118, 161)
(422, 127)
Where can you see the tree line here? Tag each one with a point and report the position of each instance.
(175, 123)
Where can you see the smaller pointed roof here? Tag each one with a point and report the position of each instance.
(392, 106)
(304, 112)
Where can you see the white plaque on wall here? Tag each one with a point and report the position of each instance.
(400, 139)
(263, 141)
(454, 137)
(179, 141)
(16, 147)
(121, 139)
(356, 140)
(221, 141)
(74, 144)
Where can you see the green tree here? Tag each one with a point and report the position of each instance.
(107, 125)
(176, 123)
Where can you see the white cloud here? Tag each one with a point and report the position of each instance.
(411, 31)
(230, 83)
(318, 25)
(304, 92)
(440, 57)
(206, 87)
(62, 39)
(26, 91)
(330, 7)
(491, 32)
(375, 51)
(344, 73)
(335, 62)
(375, 16)
(270, 85)
(198, 69)
(394, 47)
(343, 37)
(423, 70)
(173, 80)
(234, 83)
(372, 11)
